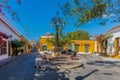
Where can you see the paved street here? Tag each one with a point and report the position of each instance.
(20, 69)
(95, 68)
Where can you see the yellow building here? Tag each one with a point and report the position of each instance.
(25, 48)
(45, 45)
(83, 46)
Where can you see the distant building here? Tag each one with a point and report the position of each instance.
(7, 33)
(27, 46)
(45, 45)
(32, 42)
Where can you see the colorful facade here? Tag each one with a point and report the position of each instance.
(26, 48)
(81, 46)
(45, 45)
(113, 43)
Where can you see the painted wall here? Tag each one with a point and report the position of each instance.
(85, 45)
(92, 44)
(9, 30)
(4, 27)
(45, 42)
(26, 46)
(111, 47)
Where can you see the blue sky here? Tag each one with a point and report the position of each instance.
(36, 15)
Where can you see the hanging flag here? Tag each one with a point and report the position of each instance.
(8, 7)
(6, 1)
(19, 1)
(13, 18)
(3, 13)
(18, 19)
(0, 10)
(13, 13)
(1, 5)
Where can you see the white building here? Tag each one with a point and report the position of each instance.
(8, 33)
(113, 43)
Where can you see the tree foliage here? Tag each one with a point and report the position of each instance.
(78, 35)
(17, 43)
(62, 41)
(83, 11)
(67, 39)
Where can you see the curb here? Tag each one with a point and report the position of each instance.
(7, 61)
(11, 59)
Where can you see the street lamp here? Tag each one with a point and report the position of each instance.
(58, 23)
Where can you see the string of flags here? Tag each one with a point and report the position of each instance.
(4, 5)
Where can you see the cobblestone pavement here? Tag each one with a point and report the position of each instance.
(95, 68)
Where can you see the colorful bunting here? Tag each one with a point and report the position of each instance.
(8, 7)
(1, 5)
(13, 13)
(3, 13)
(13, 18)
(0, 10)
(6, 1)
(19, 1)
(4, 5)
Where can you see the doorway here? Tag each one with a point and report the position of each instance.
(86, 49)
(44, 48)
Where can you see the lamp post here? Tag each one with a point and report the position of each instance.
(58, 23)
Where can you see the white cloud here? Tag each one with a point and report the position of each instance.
(108, 15)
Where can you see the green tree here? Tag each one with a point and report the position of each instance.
(67, 39)
(78, 35)
(16, 44)
(63, 40)
(83, 11)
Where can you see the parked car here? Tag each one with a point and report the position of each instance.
(70, 52)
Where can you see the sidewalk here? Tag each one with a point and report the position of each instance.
(107, 58)
(7, 60)
(4, 56)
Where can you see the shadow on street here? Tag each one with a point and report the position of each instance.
(49, 75)
(105, 63)
(85, 76)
